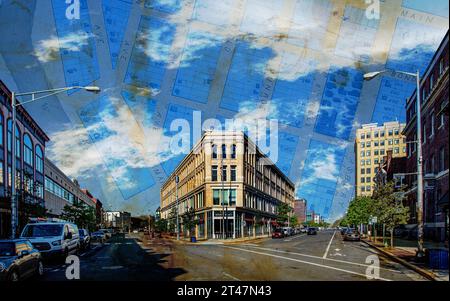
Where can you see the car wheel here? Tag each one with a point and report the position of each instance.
(13, 276)
(40, 269)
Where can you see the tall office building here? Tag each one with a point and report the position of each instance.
(371, 146)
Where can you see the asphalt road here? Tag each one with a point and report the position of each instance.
(300, 258)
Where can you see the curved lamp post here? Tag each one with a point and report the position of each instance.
(420, 222)
(14, 105)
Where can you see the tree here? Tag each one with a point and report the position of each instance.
(80, 214)
(161, 226)
(172, 223)
(293, 221)
(283, 213)
(389, 208)
(189, 221)
(359, 211)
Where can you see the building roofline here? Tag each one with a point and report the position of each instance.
(22, 110)
(235, 133)
(427, 71)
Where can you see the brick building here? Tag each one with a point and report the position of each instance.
(30, 142)
(300, 210)
(435, 148)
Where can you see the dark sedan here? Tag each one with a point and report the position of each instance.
(312, 231)
(19, 260)
(85, 239)
(352, 235)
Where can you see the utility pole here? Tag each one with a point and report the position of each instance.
(419, 201)
(14, 216)
(420, 251)
(222, 194)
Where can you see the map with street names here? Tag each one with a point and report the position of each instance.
(298, 61)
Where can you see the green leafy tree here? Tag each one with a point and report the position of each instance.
(161, 225)
(189, 221)
(293, 221)
(172, 220)
(359, 211)
(80, 214)
(389, 208)
(283, 213)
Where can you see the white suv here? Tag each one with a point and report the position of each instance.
(53, 238)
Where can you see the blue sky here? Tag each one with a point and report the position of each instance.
(298, 61)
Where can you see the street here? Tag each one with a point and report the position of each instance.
(322, 257)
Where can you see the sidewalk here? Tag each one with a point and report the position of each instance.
(406, 257)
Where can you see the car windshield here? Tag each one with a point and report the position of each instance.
(42, 230)
(6, 249)
(352, 231)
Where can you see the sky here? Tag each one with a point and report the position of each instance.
(299, 63)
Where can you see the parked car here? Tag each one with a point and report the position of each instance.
(108, 232)
(343, 230)
(352, 235)
(304, 230)
(278, 233)
(99, 236)
(85, 239)
(312, 231)
(287, 231)
(19, 260)
(53, 238)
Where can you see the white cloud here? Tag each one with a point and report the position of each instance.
(48, 49)
(125, 146)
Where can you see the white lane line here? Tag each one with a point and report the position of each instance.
(306, 262)
(329, 259)
(329, 245)
(231, 276)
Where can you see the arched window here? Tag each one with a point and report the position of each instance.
(9, 134)
(18, 142)
(1, 129)
(214, 151)
(39, 159)
(27, 150)
(224, 151)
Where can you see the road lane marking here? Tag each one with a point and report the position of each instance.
(329, 259)
(329, 245)
(306, 262)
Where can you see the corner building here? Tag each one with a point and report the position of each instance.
(232, 186)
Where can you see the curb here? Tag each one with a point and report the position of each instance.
(424, 273)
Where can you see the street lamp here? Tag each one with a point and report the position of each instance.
(372, 75)
(177, 179)
(14, 105)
